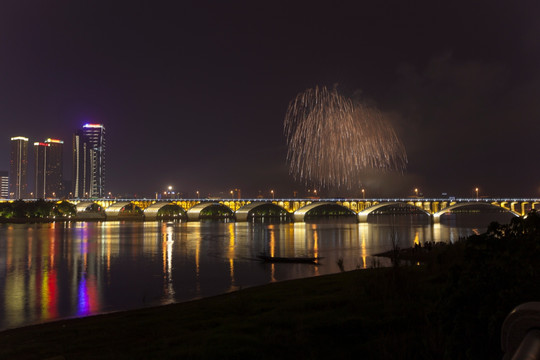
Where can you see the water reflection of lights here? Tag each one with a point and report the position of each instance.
(231, 227)
(299, 236)
(193, 241)
(363, 229)
(436, 232)
(167, 246)
(87, 287)
(49, 294)
(272, 246)
(87, 296)
(316, 247)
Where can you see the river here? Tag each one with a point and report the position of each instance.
(62, 270)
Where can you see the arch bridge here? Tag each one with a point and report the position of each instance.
(298, 209)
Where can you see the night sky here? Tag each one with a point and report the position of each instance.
(194, 94)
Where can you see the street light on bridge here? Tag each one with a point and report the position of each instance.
(198, 195)
(416, 192)
(272, 192)
(476, 193)
(169, 193)
(364, 194)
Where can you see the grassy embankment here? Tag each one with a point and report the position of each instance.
(451, 307)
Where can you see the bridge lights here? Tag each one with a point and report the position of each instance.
(272, 192)
(476, 190)
(416, 192)
(198, 195)
(364, 194)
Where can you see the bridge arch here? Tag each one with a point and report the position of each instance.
(363, 215)
(437, 215)
(198, 211)
(254, 209)
(300, 214)
(124, 209)
(86, 210)
(152, 212)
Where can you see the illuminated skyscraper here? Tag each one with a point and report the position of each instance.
(40, 156)
(80, 181)
(49, 168)
(4, 185)
(55, 168)
(89, 161)
(18, 168)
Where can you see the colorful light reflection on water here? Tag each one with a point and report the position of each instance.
(53, 271)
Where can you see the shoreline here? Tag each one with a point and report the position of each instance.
(155, 307)
(195, 328)
(417, 254)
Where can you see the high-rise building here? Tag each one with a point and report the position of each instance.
(80, 179)
(18, 167)
(89, 161)
(48, 169)
(55, 168)
(40, 181)
(4, 185)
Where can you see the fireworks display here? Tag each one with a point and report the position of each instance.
(331, 139)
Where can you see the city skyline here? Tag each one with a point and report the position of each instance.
(195, 96)
(49, 181)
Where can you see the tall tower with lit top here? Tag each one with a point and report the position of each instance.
(40, 158)
(89, 161)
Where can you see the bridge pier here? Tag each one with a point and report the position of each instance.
(362, 218)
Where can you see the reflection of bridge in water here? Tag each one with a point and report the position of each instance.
(295, 209)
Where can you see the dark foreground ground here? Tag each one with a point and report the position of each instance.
(450, 307)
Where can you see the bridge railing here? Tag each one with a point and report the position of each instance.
(520, 334)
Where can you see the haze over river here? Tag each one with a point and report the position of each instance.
(59, 270)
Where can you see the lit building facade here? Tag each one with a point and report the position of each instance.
(40, 157)
(4, 185)
(54, 170)
(18, 168)
(89, 162)
(49, 172)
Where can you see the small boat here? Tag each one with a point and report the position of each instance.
(277, 259)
